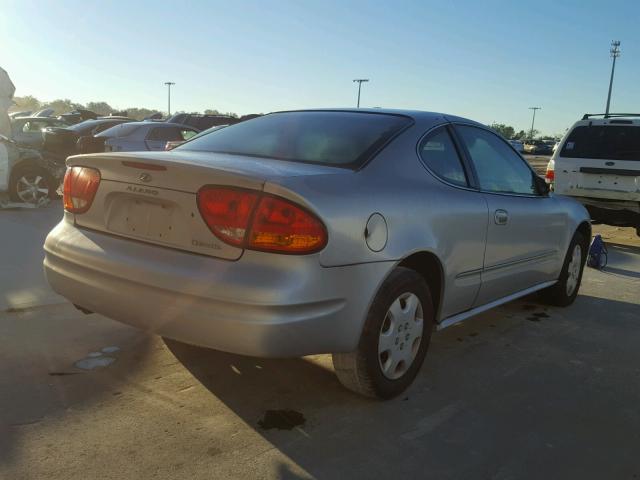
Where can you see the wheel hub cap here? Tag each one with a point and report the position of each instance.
(400, 336)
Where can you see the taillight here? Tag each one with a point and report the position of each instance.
(249, 219)
(227, 212)
(79, 187)
(550, 176)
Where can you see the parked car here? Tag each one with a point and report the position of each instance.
(29, 131)
(171, 144)
(351, 232)
(141, 136)
(74, 139)
(78, 116)
(201, 122)
(598, 164)
(28, 177)
(537, 147)
(517, 145)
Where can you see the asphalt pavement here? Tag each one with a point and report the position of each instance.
(523, 391)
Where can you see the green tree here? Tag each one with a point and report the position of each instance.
(60, 106)
(140, 113)
(506, 131)
(25, 103)
(101, 108)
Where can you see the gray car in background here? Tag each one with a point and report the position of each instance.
(141, 136)
(351, 232)
(29, 131)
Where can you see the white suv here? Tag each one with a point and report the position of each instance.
(598, 163)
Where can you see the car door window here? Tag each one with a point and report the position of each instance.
(498, 167)
(439, 153)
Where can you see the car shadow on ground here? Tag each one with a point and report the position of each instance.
(511, 389)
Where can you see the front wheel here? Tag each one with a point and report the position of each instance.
(565, 291)
(394, 340)
(32, 184)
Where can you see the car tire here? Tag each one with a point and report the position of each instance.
(33, 175)
(373, 370)
(564, 292)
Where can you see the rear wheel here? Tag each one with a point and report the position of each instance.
(31, 184)
(394, 340)
(565, 291)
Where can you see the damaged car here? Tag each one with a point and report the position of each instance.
(27, 176)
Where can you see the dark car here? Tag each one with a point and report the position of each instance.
(78, 116)
(63, 142)
(201, 122)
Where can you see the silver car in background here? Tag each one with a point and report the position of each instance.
(351, 232)
(142, 136)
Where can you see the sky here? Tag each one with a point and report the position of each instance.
(486, 60)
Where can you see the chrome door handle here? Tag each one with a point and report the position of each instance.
(501, 217)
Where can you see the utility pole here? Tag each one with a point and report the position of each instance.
(360, 81)
(615, 53)
(534, 120)
(168, 84)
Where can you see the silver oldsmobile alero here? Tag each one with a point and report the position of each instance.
(351, 232)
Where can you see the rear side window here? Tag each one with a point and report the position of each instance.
(439, 153)
(186, 134)
(345, 139)
(603, 142)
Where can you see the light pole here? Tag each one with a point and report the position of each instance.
(360, 82)
(615, 53)
(168, 84)
(534, 120)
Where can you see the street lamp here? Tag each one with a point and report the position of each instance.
(615, 53)
(360, 82)
(534, 119)
(168, 84)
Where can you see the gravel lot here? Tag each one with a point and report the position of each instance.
(524, 391)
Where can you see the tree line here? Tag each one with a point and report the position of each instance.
(60, 106)
(508, 132)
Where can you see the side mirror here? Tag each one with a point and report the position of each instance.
(542, 187)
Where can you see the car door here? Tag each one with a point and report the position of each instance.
(460, 212)
(30, 134)
(526, 227)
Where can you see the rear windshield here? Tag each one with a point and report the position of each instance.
(121, 130)
(603, 142)
(344, 139)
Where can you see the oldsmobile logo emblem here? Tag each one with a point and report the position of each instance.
(145, 177)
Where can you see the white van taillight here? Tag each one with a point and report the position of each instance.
(79, 187)
(550, 175)
(257, 221)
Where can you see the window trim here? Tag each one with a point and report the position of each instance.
(475, 173)
(434, 130)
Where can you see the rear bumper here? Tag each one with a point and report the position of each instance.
(262, 305)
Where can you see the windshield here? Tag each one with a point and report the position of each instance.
(603, 142)
(326, 137)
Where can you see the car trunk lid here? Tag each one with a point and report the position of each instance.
(151, 197)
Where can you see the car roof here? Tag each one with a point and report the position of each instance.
(613, 121)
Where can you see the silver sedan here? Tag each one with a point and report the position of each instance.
(351, 232)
